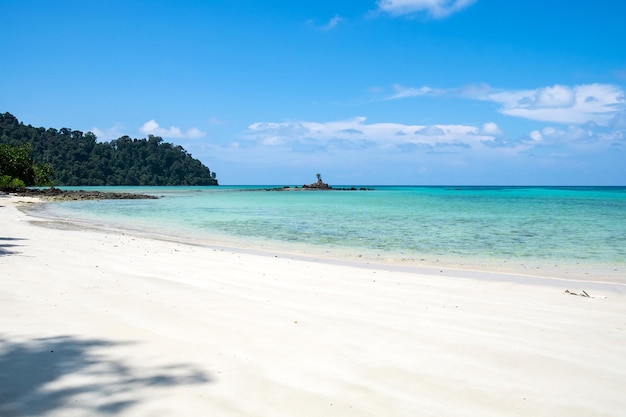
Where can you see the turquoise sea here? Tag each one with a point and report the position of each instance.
(558, 231)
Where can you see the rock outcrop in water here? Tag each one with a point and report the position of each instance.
(319, 185)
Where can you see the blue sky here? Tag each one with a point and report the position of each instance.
(363, 91)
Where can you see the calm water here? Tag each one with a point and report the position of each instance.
(575, 229)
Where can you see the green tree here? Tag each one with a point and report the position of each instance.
(18, 170)
(79, 159)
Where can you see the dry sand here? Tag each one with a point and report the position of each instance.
(97, 323)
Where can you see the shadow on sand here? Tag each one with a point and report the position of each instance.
(47, 376)
(6, 245)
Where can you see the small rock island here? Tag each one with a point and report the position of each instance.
(318, 185)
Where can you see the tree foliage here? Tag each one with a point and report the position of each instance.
(19, 170)
(79, 159)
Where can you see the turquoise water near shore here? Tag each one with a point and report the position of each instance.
(570, 230)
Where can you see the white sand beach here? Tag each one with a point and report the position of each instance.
(99, 323)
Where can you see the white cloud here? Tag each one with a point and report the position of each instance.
(114, 132)
(435, 8)
(572, 140)
(491, 128)
(356, 132)
(333, 22)
(326, 138)
(570, 135)
(439, 153)
(151, 127)
(618, 121)
(405, 92)
(216, 121)
(561, 104)
(536, 136)
(599, 103)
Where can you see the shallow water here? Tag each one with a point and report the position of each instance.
(572, 230)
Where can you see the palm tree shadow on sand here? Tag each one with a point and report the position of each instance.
(7, 244)
(45, 376)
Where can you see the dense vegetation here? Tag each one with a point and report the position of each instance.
(18, 170)
(77, 158)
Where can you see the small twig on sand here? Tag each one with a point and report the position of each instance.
(584, 293)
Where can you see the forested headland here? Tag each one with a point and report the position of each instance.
(77, 158)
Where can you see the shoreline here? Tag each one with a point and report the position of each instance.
(518, 270)
(95, 322)
(446, 270)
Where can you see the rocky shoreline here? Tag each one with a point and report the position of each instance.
(55, 194)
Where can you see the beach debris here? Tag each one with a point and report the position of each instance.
(583, 293)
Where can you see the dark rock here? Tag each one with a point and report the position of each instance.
(55, 194)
